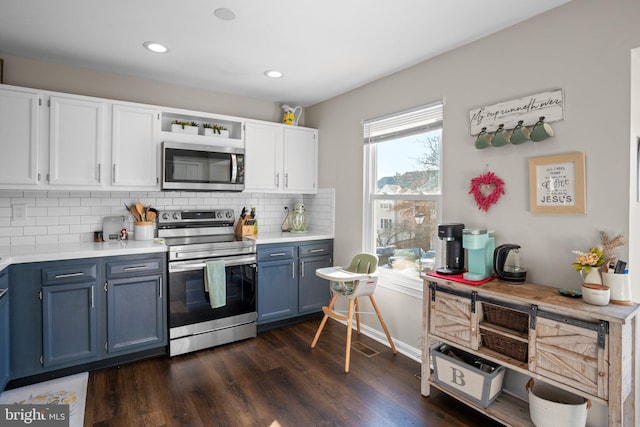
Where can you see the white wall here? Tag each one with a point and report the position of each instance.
(582, 47)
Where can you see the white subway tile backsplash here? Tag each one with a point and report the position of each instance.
(34, 231)
(73, 216)
(58, 229)
(47, 220)
(46, 201)
(60, 212)
(23, 240)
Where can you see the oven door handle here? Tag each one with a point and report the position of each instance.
(198, 265)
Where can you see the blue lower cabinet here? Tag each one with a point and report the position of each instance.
(287, 283)
(135, 313)
(74, 312)
(69, 324)
(277, 290)
(4, 329)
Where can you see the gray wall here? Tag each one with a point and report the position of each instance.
(583, 47)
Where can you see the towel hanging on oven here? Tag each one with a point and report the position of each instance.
(215, 283)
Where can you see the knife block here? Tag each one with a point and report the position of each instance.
(242, 229)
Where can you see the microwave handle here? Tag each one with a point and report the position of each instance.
(234, 168)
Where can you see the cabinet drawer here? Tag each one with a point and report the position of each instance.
(134, 267)
(276, 253)
(315, 249)
(68, 273)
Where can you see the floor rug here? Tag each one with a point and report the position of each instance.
(71, 390)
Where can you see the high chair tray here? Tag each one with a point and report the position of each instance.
(337, 274)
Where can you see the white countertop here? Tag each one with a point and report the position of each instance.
(283, 237)
(60, 251)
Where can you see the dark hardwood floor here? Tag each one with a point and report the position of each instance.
(273, 380)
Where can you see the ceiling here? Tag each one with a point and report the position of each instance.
(324, 48)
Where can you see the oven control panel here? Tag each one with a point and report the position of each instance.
(218, 216)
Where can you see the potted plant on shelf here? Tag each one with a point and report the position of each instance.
(211, 129)
(184, 126)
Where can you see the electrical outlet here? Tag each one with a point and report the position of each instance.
(19, 212)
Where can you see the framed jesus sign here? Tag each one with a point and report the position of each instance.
(557, 184)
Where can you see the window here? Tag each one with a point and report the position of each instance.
(385, 223)
(403, 191)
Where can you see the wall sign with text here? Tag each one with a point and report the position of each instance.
(529, 109)
(557, 184)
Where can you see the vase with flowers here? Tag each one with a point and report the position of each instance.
(587, 264)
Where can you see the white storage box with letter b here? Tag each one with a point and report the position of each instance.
(470, 376)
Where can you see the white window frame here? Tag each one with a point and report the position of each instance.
(388, 278)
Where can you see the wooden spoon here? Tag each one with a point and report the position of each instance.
(151, 216)
(140, 209)
(134, 213)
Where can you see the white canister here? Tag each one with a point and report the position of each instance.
(619, 286)
(595, 293)
(143, 231)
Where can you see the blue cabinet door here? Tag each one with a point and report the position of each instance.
(135, 313)
(4, 329)
(69, 323)
(313, 290)
(277, 290)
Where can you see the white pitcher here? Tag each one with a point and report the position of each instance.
(291, 115)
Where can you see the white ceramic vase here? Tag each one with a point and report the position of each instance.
(592, 276)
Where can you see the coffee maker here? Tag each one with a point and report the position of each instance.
(451, 234)
(480, 244)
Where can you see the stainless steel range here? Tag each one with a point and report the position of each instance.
(195, 238)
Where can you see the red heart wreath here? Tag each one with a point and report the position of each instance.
(486, 189)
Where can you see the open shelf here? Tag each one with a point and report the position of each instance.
(506, 409)
(231, 124)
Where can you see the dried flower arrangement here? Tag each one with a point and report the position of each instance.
(595, 257)
(608, 246)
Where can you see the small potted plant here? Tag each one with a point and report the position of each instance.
(184, 126)
(211, 129)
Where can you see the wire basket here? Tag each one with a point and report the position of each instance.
(504, 345)
(511, 319)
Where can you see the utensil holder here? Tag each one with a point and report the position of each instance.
(143, 230)
(619, 286)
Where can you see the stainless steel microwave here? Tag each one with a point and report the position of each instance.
(196, 167)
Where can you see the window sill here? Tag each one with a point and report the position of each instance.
(407, 285)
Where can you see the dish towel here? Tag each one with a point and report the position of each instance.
(215, 282)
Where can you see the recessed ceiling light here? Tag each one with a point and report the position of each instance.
(155, 47)
(274, 74)
(224, 14)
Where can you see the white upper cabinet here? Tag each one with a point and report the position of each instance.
(300, 160)
(19, 126)
(134, 147)
(76, 141)
(280, 158)
(52, 140)
(263, 157)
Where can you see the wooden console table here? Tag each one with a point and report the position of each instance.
(586, 349)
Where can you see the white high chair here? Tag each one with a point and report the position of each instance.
(359, 279)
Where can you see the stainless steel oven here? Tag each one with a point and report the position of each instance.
(194, 238)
